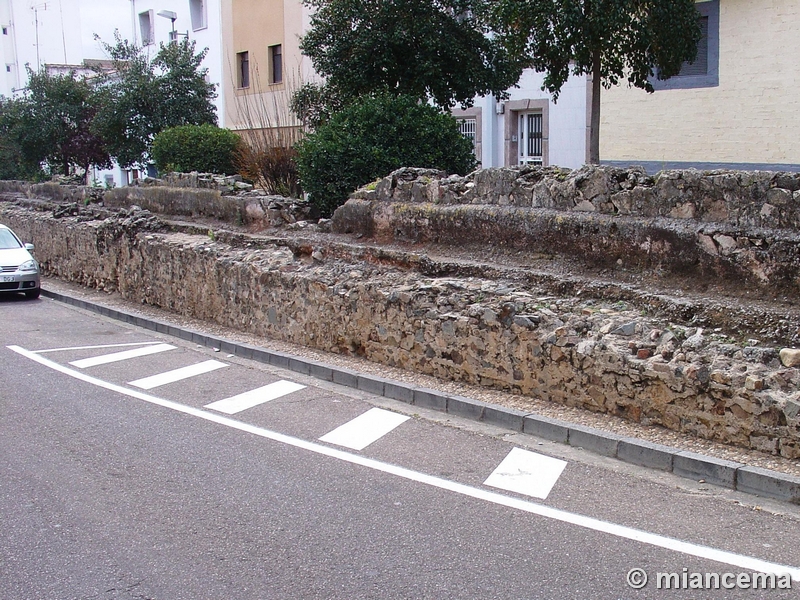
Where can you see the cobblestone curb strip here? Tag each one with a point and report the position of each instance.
(752, 480)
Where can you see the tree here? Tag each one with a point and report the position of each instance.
(12, 161)
(611, 40)
(55, 123)
(427, 49)
(142, 97)
(372, 137)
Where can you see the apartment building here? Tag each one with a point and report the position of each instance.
(737, 106)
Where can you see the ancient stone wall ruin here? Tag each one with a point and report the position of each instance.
(476, 322)
(737, 227)
(484, 329)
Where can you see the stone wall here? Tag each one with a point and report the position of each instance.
(190, 199)
(600, 356)
(740, 227)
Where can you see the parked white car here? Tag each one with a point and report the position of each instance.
(19, 271)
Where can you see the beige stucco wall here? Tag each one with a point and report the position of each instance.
(753, 116)
(253, 26)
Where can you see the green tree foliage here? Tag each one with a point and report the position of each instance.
(12, 161)
(54, 124)
(314, 103)
(141, 97)
(372, 137)
(612, 40)
(204, 148)
(432, 49)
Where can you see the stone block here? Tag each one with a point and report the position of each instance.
(645, 454)
(245, 351)
(546, 428)
(769, 484)
(707, 468)
(279, 359)
(468, 408)
(227, 347)
(593, 440)
(180, 333)
(425, 398)
(320, 371)
(790, 357)
(504, 417)
(399, 391)
(345, 377)
(299, 365)
(371, 384)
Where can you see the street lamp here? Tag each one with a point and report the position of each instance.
(172, 16)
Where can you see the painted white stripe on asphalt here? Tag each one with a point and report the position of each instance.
(95, 347)
(235, 404)
(527, 473)
(365, 429)
(148, 383)
(117, 356)
(748, 563)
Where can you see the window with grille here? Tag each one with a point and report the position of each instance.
(531, 138)
(468, 128)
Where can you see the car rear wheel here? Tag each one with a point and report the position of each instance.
(33, 294)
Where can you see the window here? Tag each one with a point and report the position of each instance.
(243, 69)
(704, 71)
(197, 10)
(146, 27)
(8, 68)
(700, 64)
(5, 30)
(468, 128)
(276, 64)
(530, 138)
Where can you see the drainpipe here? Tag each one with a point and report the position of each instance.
(133, 22)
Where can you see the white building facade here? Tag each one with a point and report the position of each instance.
(530, 127)
(62, 35)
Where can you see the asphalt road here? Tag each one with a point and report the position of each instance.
(117, 485)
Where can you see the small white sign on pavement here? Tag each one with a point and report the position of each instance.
(527, 473)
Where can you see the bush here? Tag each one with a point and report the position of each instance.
(371, 138)
(272, 168)
(203, 148)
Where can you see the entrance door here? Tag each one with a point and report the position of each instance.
(530, 138)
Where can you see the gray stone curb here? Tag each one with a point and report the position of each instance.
(724, 473)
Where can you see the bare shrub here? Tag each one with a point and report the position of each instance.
(269, 134)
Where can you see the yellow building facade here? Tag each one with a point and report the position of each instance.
(262, 62)
(740, 108)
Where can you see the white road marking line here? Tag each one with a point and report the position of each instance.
(365, 429)
(747, 563)
(95, 347)
(527, 473)
(148, 383)
(235, 404)
(117, 356)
